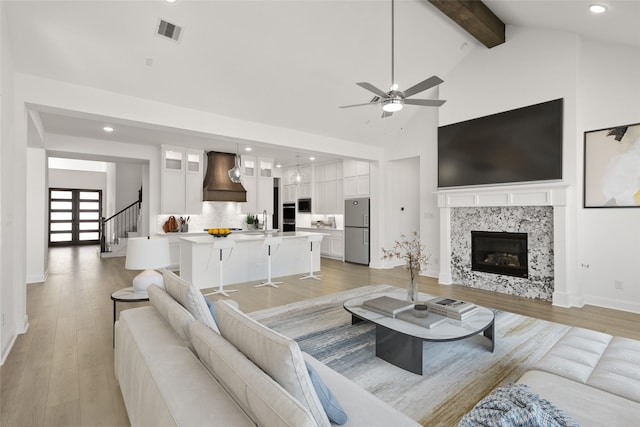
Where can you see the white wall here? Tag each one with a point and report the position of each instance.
(609, 95)
(37, 208)
(86, 180)
(417, 143)
(600, 89)
(128, 181)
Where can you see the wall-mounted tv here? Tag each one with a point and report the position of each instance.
(520, 145)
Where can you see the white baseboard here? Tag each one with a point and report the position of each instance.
(614, 304)
(38, 278)
(6, 351)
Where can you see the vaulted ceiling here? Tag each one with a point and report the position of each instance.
(285, 63)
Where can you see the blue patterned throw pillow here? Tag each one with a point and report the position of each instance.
(516, 405)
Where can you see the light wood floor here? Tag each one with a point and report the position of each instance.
(60, 373)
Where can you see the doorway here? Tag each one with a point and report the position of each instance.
(74, 216)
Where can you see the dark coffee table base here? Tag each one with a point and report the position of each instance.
(405, 351)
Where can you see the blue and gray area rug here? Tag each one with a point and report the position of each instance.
(456, 374)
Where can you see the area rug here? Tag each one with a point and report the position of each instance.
(456, 374)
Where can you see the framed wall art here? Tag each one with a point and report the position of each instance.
(612, 167)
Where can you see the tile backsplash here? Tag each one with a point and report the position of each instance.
(214, 214)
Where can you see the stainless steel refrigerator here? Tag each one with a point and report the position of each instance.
(356, 231)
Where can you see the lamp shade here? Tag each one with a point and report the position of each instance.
(144, 253)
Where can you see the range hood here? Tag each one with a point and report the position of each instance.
(217, 185)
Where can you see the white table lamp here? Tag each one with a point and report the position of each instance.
(144, 253)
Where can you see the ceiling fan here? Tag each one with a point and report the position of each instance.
(395, 99)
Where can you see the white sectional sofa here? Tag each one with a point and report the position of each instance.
(591, 377)
(175, 369)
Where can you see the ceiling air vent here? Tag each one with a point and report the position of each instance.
(169, 30)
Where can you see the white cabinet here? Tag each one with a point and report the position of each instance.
(289, 193)
(329, 189)
(356, 178)
(304, 190)
(181, 180)
(332, 245)
(257, 180)
(329, 198)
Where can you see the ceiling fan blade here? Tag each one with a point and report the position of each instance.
(423, 85)
(358, 105)
(425, 102)
(386, 114)
(372, 88)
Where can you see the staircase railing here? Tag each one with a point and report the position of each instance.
(117, 226)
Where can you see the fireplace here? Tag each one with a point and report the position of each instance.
(499, 253)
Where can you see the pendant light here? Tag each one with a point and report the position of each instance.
(235, 173)
(297, 176)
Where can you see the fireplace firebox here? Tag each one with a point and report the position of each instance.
(499, 253)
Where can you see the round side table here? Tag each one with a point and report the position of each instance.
(125, 295)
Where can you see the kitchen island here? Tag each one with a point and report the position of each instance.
(199, 263)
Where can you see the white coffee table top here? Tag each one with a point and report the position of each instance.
(450, 329)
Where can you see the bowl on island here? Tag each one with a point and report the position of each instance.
(219, 232)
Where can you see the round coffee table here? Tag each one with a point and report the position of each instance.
(400, 342)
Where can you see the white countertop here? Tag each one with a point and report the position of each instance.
(320, 229)
(204, 238)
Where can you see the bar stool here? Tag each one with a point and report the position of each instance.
(270, 242)
(312, 239)
(220, 245)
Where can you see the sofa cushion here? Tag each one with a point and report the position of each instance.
(611, 364)
(587, 405)
(264, 400)
(173, 313)
(575, 355)
(618, 370)
(190, 297)
(277, 355)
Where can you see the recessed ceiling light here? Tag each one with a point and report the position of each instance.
(170, 1)
(312, 158)
(247, 149)
(278, 165)
(107, 129)
(597, 8)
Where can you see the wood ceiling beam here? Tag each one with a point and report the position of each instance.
(476, 18)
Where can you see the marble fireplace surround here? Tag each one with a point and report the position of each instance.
(552, 195)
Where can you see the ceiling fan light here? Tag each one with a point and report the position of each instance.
(392, 105)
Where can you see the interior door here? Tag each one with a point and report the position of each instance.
(74, 216)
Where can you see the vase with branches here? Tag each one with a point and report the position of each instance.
(412, 252)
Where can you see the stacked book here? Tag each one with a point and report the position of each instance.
(387, 305)
(452, 308)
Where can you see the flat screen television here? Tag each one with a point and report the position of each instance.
(519, 145)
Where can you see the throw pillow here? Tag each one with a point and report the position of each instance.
(331, 406)
(277, 355)
(172, 312)
(212, 309)
(189, 297)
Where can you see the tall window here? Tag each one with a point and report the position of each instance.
(74, 216)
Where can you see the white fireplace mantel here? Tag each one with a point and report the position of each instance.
(548, 194)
